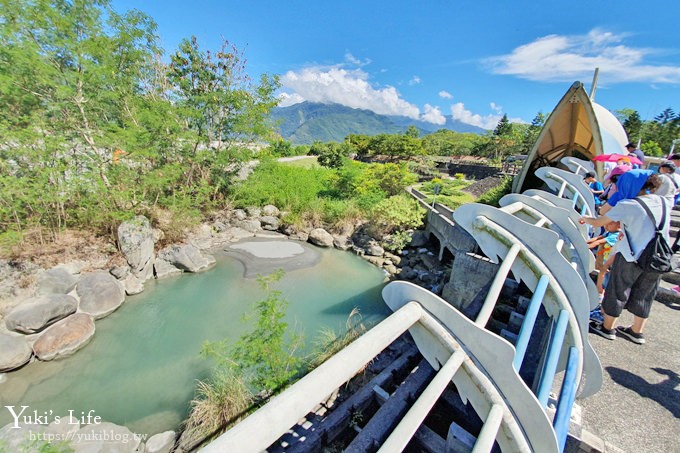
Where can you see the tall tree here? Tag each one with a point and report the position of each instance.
(503, 127)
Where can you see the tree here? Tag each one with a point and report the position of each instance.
(532, 131)
(412, 132)
(503, 127)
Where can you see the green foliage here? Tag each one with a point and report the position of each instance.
(451, 192)
(389, 179)
(43, 446)
(651, 148)
(95, 128)
(290, 188)
(397, 213)
(492, 196)
(264, 356)
(281, 148)
(331, 155)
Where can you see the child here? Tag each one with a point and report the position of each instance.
(604, 259)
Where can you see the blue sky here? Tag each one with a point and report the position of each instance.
(473, 59)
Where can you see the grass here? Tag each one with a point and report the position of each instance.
(451, 192)
(307, 162)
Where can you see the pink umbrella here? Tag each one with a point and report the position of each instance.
(617, 157)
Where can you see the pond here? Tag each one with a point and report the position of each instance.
(141, 367)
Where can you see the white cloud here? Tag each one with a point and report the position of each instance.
(347, 87)
(287, 99)
(460, 113)
(349, 58)
(558, 58)
(445, 95)
(433, 115)
(414, 81)
(495, 107)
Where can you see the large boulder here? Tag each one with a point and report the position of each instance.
(136, 242)
(251, 225)
(164, 269)
(14, 352)
(132, 285)
(161, 443)
(100, 294)
(65, 337)
(270, 223)
(321, 237)
(186, 257)
(39, 312)
(106, 438)
(271, 210)
(342, 242)
(56, 280)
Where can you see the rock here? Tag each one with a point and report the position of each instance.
(120, 272)
(164, 269)
(419, 239)
(320, 237)
(56, 280)
(342, 242)
(251, 225)
(220, 227)
(253, 211)
(391, 268)
(373, 249)
(271, 210)
(100, 294)
(13, 439)
(65, 428)
(39, 312)
(374, 260)
(392, 257)
(236, 234)
(186, 257)
(158, 235)
(239, 214)
(14, 351)
(299, 236)
(270, 223)
(271, 235)
(407, 273)
(136, 242)
(106, 438)
(65, 337)
(133, 285)
(202, 238)
(430, 261)
(161, 443)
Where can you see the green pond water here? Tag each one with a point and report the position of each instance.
(141, 366)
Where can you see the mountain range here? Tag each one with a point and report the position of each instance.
(307, 122)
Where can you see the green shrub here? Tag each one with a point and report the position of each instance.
(397, 213)
(492, 196)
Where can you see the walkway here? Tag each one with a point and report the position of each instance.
(638, 407)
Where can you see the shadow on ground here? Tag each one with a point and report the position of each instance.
(664, 393)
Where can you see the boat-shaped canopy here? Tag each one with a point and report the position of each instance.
(577, 127)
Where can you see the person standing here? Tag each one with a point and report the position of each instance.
(629, 286)
(632, 149)
(675, 159)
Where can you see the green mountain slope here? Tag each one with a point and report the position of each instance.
(307, 122)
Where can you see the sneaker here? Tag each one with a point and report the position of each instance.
(632, 336)
(598, 328)
(596, 315)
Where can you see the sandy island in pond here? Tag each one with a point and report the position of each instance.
(263, 256)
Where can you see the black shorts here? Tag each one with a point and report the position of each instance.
(630, 288)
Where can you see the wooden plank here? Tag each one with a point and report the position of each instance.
(387, 417)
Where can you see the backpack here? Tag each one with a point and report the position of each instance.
(657, 255)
